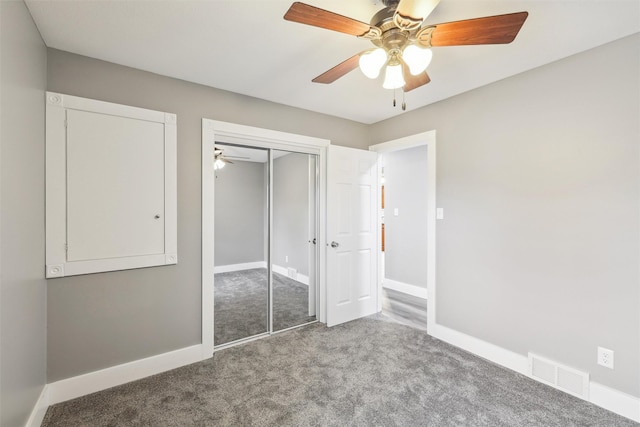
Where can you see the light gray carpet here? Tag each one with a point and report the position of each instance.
(369, 372)
(241, 303)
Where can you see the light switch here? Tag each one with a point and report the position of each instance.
(395, 211)
(439, 213)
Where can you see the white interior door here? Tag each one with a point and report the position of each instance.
(352, 237)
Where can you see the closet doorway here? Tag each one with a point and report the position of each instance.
(265, 241)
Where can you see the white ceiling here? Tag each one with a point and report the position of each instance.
(245, 46)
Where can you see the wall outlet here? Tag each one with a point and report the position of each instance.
(605, 357)
(286, 258)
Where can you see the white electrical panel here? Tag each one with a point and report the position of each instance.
(111, 187)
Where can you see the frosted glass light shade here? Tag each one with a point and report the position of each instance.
(218, 164)
(393, 78)
(371, 62)
(417, 59)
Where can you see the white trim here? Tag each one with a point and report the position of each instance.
(608, 398)
(208, 234)
(239, 267)
(405, 288)
(615, 401)
(92, 382)
(301, 278)
(501, 356)
(39, 409)
(428, 139)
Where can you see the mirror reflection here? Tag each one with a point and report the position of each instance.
(264, 217)
(241, 293)
(294, 230)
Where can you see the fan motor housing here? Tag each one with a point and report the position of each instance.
(391, 3)
(392, 37)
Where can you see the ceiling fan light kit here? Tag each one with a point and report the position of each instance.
(371, 62)
(218, 164)
(416, 58)
(393, 77)
(402, 43)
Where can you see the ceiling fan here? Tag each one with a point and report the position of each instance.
(219, 160)
(401, 42)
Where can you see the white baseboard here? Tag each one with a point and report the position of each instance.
(615, 401)
(91, 382)
(301, 278)
(239, 267)
(608, 398)
(405, 288)
(40, 409)
(501, 356)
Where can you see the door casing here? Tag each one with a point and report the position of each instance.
(428, 139)
(216, 131)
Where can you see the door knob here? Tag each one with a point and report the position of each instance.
(335, 244)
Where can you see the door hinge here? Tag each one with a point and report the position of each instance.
(66, 249)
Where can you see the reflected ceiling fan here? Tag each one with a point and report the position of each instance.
(401, 42)
(220, 159)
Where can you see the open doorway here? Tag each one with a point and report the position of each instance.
(407, 228)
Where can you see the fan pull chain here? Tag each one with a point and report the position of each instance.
(394, 97)
(404, 104)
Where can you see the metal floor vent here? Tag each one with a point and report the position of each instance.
(559, 376)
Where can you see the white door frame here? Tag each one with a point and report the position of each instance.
(215, 131)
(428, 139)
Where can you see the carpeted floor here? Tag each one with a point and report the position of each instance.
(241, 303)
(369, 372)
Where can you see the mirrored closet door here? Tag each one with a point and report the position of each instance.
(265, 252)
(293, 243)
(241, 281)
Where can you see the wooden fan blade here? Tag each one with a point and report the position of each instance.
(499, 29)
(338, 71)
(412, 82)
(410, 13)
(311, 15)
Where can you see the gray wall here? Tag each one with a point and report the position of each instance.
(538, 175)
(240, 210)
(22, 285)
(101, 320)
(291, 212)
(405, 235)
